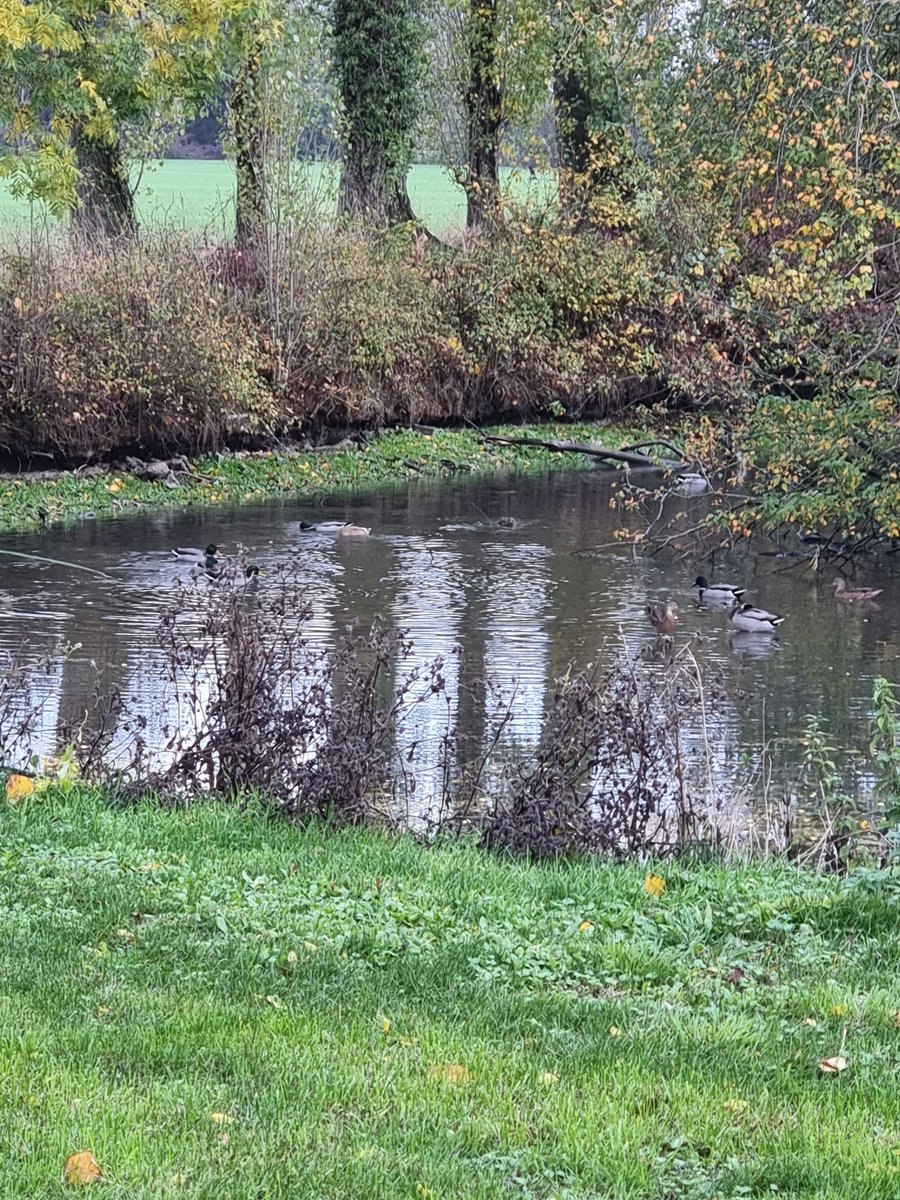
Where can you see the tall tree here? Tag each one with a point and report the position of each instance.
(80, 76)
(483, 103)
(247, 107)
(593, 93)
(488, 75)
(377, 60)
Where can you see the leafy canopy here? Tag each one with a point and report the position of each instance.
(99, 68)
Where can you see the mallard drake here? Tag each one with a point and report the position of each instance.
(753, 620)
(847, 595)
(717, 591)
(338, 528)
(251, 580)
(663, 617)
(207, 558)
(691, 484)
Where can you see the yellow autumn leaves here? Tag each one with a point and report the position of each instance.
(82, 1169)
(54, 769)
(654, 885)
(18, 787)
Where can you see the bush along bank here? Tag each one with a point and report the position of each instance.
(32, 500)
(176, 346)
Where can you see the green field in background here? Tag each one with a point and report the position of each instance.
(199, 194)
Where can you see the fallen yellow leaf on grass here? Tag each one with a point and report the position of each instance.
(734, 1105)
(834, 1066)
(82, 1169)
(221, 1118)
(654, 885)
(17, 787)
(549, 1078)
(450, 1073)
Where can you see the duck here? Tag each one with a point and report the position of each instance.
(691, 483)
(663, 617)
(251, 580)
(207, 558)
(717, 591)
(338, 528)
(845, 595)
(753, 620)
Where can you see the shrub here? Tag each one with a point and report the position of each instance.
(134, 346)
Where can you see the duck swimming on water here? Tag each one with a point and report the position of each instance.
(663, 617)
(340, 529)
(845, 595)
(753, 620)
(206, 558)
(717, 591)
(251, 580)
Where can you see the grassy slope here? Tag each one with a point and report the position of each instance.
(199, 194)
(386, 460)
(315, 991)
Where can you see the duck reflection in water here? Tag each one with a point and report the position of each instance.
(753, 645)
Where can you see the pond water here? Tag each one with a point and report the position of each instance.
(520, 601)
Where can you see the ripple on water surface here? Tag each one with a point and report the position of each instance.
(485, 566)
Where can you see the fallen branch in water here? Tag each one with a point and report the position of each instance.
(630, 458)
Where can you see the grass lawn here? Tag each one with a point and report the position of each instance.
(199, 194)
(223, 1007)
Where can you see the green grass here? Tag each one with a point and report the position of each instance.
(391, 458)
(315, 989)
(199, 194)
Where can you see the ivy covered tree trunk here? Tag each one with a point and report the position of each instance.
(484, 113)
(592, 138)
(377, 53)
(573, 112)
(105, 195)
(248, 124)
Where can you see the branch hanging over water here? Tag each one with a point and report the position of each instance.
(630, 458)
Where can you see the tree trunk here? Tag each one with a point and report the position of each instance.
(106, 199)
(377, 55)
(590, 132)
(484, 113)
(367, 192)
(250, 148)
(573, 111)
